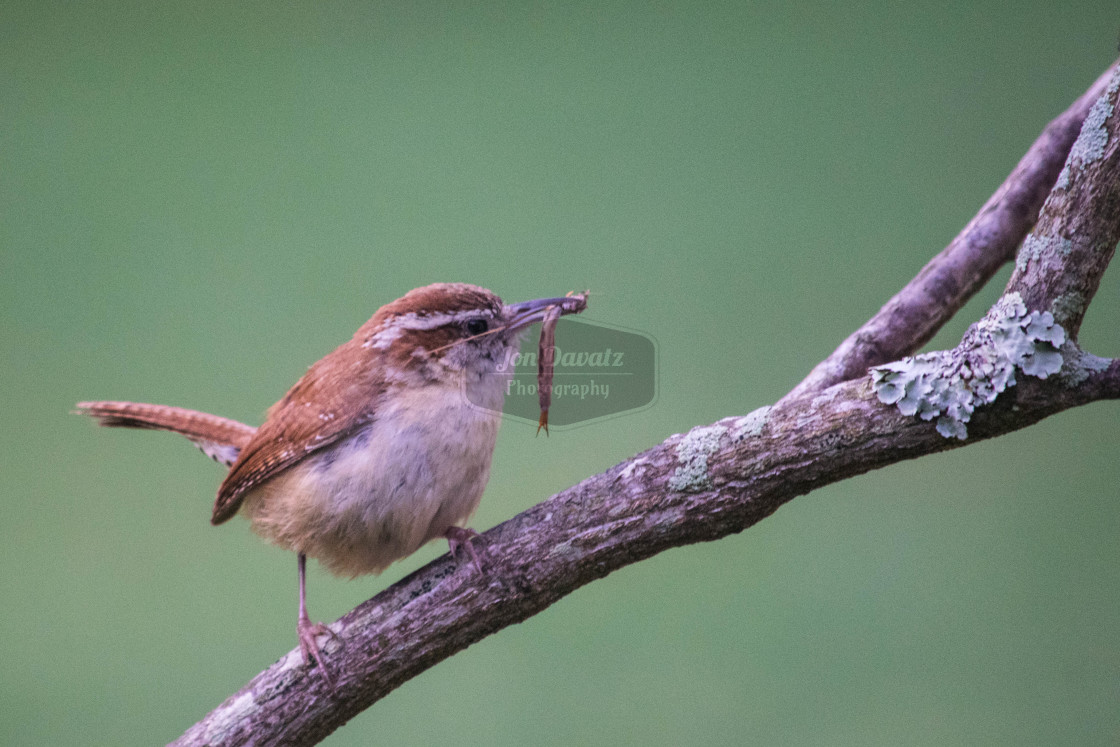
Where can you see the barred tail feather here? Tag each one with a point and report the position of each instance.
(221, 439)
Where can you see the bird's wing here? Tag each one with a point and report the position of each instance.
(315, 413)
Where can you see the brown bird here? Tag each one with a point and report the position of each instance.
(383, 445)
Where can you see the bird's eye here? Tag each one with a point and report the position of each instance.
(477, 326)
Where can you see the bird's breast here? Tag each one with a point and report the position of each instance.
(417, 469)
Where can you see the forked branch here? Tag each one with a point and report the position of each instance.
(722, 478)
(944, 285)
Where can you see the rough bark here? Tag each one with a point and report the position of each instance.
(722, 478)
(944, 285)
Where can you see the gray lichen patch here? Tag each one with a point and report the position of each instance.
(1090, 144)
(950, 384)
(1035, 248)
(749, 425)
(692, 453)
(1080, 365)
(1068, 306)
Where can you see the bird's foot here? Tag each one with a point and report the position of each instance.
(462, 537)
(309, 645)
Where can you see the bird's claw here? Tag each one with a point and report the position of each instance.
(462, 537)
(309, 645)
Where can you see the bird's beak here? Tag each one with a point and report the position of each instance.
(523, 314)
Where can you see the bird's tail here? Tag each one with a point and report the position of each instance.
(221, 439)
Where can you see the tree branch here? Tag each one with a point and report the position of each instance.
(944, 285)
(1061, 263)
(713, 481)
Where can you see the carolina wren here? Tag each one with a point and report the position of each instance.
(383, 445)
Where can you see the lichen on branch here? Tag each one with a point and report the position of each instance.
(950, 384)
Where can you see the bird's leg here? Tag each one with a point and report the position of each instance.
(309, 631)
(462, 537)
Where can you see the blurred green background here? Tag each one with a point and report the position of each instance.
(199, 200)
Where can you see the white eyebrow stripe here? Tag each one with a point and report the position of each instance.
(413, 321)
